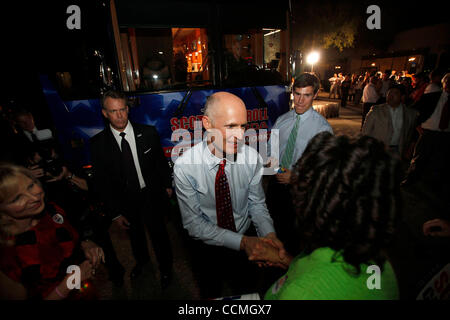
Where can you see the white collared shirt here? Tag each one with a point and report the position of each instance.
(397, 123)
(129, 136)
(433, 122)
(28, 134)
(194, 175)
(370, 94)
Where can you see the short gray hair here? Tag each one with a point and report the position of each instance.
(208, 110)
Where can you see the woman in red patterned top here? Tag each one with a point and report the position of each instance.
(37, 243)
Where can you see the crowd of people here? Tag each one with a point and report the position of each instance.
(331, 208)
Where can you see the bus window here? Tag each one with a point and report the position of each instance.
(164, 58)
(255, 56)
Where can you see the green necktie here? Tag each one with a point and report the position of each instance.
(289, 152)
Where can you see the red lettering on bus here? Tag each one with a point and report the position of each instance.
(174, 123)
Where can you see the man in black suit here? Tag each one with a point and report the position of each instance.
(432, 151)
(133, 179)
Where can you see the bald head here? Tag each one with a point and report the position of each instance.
(226, 119)
(221, 102)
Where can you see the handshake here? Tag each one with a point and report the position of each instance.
(266, 251)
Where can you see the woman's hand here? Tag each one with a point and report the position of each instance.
(284, 177)
(79, 182)
(36, 171)
(87, 270)
(93, 253)
(62, 175)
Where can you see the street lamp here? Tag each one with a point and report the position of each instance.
(312, 58)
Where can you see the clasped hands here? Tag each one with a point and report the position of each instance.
(266, 251)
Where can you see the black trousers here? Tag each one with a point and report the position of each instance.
(221, 271)
(146, 210)
(281, 208)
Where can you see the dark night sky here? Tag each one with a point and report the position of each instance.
(27, 27)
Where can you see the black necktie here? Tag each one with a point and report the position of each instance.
(33, 137)
(131, 177)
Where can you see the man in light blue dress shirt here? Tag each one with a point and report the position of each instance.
(219, 254)
(309, 123)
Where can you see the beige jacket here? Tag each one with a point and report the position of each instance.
(378, 124)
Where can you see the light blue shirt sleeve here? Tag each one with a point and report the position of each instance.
(257, 203)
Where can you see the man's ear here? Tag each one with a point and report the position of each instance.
(206, 122)
(104, 112)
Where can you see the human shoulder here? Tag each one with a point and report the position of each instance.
(143, 127)
(319, 119)
(380, 107)
(189, 154)
(97, 138)
(284, 117)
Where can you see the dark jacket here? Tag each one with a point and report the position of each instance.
(426, 106)
(109, 180)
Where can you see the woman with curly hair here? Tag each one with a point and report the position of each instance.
(37, 243)
(347, 202)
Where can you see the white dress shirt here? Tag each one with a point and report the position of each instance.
(370, 94)
(433, 122)
(397, 123)
(194, 175)
(129, 136)
(28, 134)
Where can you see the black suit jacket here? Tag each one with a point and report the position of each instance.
(109, 180)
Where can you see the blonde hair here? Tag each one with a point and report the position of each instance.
(9, 174)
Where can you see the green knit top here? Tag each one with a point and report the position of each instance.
(323, 275)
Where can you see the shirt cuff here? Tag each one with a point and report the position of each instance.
(265, 228)
(232, 240)
(116, 217)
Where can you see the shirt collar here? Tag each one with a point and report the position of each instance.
(128, 130)
(400, 107)
(303, 116)
(211, 160)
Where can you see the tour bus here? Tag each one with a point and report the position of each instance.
(168, 57)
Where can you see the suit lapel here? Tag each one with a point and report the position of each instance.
(139, 138)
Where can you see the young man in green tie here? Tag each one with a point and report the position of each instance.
(295, 129)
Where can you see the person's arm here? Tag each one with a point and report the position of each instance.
(257, 208)
(102, 182)
(10, 289)
(78, 181)
(61, 291)
(369, 123)
(194, 220)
